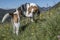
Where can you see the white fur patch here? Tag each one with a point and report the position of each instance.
(16, 12)
(29, 14)
(32, 20)
(16, 25)
(5, 16)
(28, 6)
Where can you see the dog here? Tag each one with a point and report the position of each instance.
(26, 10)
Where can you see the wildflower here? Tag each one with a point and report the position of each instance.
(3, 35)
(32, 33)
(51, 13)
(41, 15)
(32, 27)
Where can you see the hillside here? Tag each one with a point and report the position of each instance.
(55, 6)
(46, 28)
(4, 11)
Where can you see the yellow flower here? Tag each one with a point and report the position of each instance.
(32, 27)
(51, 13)
(32, 33)
(3, 35)
(41, 15)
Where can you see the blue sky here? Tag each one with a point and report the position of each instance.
(8, 4)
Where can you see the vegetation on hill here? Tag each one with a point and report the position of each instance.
(46, 28)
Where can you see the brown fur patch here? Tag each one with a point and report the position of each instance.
(15, 18)
(33, 7)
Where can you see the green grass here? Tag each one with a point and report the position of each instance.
(47, 28)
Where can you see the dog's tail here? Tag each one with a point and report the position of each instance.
(5, 17)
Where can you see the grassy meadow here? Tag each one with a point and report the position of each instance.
(46, 28)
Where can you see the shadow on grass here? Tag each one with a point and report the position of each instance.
(22, 28)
